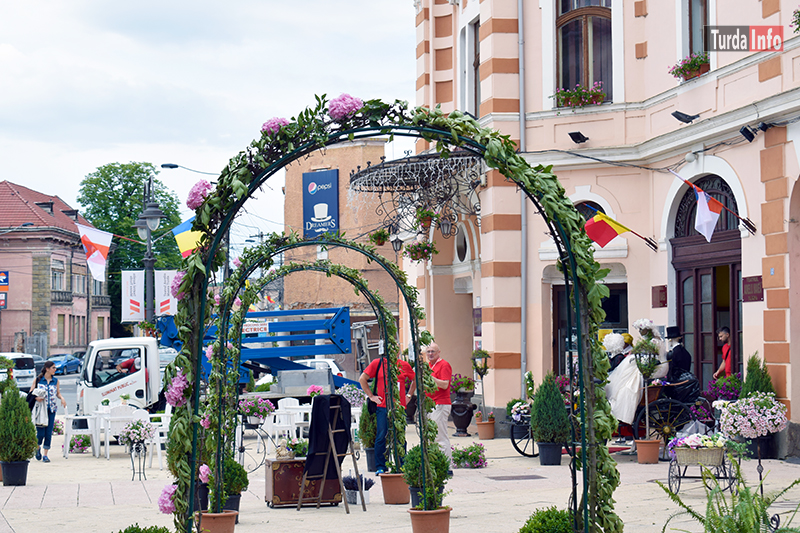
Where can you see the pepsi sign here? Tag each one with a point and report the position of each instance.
(320, 203)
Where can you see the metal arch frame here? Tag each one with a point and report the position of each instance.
(428, 133)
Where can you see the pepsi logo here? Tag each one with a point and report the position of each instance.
(313, 187)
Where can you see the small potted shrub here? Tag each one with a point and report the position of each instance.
(412, 475)
(550, 520)
(367, 430)
(234, 483)
(351, 488)
(18, 435)
(549, 421)
(379, 237)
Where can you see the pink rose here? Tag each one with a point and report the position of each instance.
(274, 125)
(344, 106)
(197, 194)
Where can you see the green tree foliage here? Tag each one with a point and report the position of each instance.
(549, 419)
(550, 520)
(757, 379)
(17, 432)
(367, 427)
(111, 197)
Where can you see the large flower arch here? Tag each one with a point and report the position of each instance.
(283, 141)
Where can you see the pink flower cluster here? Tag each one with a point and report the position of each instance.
(755, 416)
(165, 503)
(204, 472)
(237, 262)
(343, 106)
(274, 125)
(205, 422)
(175, 390)
(197, 194)
(314, 390)
(209, 352)
(175, 286)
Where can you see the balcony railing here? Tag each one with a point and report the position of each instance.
(61, 297)
(101, 301)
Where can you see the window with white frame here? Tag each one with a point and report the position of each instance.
(583, 36)
(698, 17)
(57, 275)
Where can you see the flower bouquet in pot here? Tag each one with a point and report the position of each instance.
(351, 488)
(753, 417)
(646, 352)
(379, 237)
(256, 409)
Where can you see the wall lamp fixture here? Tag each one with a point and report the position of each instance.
(578, 137)
(683, 117)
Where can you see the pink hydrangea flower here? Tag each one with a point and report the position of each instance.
(274, 125)
(197, 194)
(217, 299)
(237, 302)
(206, 423)
(204, 473)
(237, 262)
(229, 346)
(343, 106)
(209, 352)
(175, 287)
(174, 394)
(165, 503)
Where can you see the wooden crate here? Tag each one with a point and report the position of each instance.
(283, 485)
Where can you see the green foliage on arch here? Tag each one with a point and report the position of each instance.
(314, 128)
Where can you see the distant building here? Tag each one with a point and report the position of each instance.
(52, 304)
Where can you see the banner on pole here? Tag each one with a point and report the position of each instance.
(132, 296)
(166, 304)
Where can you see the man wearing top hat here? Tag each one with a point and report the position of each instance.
(680, 360)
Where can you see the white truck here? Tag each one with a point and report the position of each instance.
(100, 380)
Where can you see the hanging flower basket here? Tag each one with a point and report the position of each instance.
(426, 217)
(379, 237)
(691, 66)
(420, 250)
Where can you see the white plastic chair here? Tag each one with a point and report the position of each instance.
(116, 420)
(91, 430)
(295, 417)
(279, 424)
(162, 433)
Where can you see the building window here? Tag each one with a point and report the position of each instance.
(698, 17)
(79, 284)
(588, 209)
(101, 329)
(475, 56)
(583, 29)
(57, 275)
(97, 288)
(60, 326)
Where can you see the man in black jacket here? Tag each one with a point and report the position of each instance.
(680, 360)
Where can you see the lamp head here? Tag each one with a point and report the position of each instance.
(152, 215)
(683, 117)
(578, 137)
(141, 228)
(748, 133)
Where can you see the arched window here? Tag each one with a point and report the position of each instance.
(588, 209)
(716, 187)
(583, 29)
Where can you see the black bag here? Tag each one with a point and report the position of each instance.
(372, 407)
(31, 399)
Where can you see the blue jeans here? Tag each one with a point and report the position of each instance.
(380, 438)
(46, 433)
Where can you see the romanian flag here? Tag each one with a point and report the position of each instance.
(708, 211)
(187, 239)
(602, 229)
(96, 244)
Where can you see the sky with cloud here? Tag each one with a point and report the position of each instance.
(88, 82)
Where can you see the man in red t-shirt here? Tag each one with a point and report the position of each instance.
(724, 336)
(442, 372)
(376, 370)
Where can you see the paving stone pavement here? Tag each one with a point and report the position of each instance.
(86, 494)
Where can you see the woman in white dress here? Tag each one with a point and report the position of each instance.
(624, 389)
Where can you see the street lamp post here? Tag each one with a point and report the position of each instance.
(146, 224)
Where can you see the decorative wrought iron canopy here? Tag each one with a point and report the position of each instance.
(445, 185)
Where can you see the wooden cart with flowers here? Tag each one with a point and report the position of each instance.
(709, 451)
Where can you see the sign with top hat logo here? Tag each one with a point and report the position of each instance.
(320, 203)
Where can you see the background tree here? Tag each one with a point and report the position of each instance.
(111, 197)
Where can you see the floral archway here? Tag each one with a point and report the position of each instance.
(346, 118)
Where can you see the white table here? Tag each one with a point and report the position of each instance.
(92, 429)
(104, 422)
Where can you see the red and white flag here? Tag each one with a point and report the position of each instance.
(96, 243)
(708, 211)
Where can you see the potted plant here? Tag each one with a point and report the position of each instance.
(351, 488)
(462, 389)
(754, 417)
(691, 66)
(580, 96)
(420, 250)
(426, 217)
(550, 520)
(256, 409)
(367, 430)
(646, 352)
(549, 421)
(298, 447)
(18, 437)
(412, 475)
(379, 237)
(234, 482)
(472, 456)
(124, 398)
(480, 365)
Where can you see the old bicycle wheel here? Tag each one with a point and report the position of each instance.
(667, 417)
(674, 479)
(522, 440)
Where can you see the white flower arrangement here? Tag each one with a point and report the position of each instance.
(614, 343)
(136, 431)
(646, 327)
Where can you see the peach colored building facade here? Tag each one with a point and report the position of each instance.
(468, 58)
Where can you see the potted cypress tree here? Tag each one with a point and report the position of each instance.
(758, 380)
(18, 435)
(412, 472)
(367, 430)
(549, 421)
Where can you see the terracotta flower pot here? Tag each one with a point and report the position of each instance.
(486, 430)
(395, 489)
(647, 451)
(224, 522)
(436, 521)
(699, 72)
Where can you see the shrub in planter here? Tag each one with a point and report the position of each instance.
(412, 473)
(136, 528)
(234, 481)
(757, 379)
(549, 420)
(473, 456)
(367, 427)
(17, 432)
(550, 520)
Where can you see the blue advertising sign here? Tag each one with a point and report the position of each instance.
(320, 203)
(3, 278)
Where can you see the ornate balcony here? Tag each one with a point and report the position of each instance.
(101, 301)
(61, 297)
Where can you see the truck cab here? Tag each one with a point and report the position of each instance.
(100, 378)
